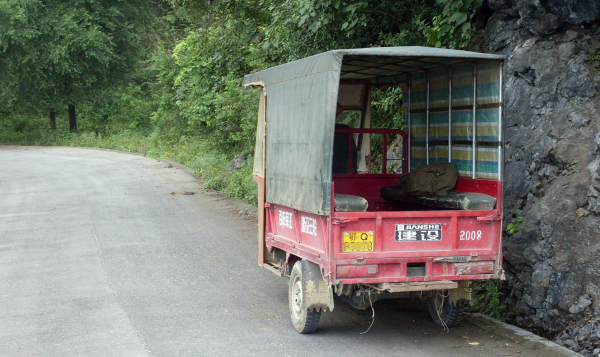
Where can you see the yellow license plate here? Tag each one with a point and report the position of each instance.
(358, 242)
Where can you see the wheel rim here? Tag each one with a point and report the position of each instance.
(297, 298)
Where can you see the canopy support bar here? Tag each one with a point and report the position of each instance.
(409, 158)
(500, 123)
(474, 117)
(427, 120)
(449, 113)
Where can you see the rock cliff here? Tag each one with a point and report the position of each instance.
(552, 175)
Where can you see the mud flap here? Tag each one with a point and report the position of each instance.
(318, 294)
(463, 294)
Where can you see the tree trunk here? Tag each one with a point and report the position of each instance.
(52, 117)
(72, 119)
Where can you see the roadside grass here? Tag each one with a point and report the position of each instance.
(488, 299)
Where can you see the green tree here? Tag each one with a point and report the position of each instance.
(59, 53)
(452, 27)
(301, 28)
(236, 37)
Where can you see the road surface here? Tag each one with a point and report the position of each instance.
(105, 253)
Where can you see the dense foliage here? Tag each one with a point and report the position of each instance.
(164, 77)
(59, 53)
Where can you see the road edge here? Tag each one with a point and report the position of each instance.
(519, 335)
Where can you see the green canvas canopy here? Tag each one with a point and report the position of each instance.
(301, 97)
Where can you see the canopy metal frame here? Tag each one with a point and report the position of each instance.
(300, 115)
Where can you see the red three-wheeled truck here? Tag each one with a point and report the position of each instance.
(334, 212)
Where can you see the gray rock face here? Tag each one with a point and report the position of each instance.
(238, 162)
(582, 336)
(552, 175)
(544, 17)
(583, 302)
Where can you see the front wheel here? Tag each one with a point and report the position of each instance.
(304, 321)
(443, 312)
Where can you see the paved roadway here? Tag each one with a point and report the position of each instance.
(102, 254)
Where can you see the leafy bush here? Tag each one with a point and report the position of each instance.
(488, 299)
(514, 225)
(452, 27)
(241, 185)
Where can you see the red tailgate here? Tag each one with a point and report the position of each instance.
(429, 244)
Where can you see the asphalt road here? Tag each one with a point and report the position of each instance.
(103, 253)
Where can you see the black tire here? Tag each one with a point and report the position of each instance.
(443, 312)
(304, 321)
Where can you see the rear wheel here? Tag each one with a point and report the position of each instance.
(304, 321)
(443, 312)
